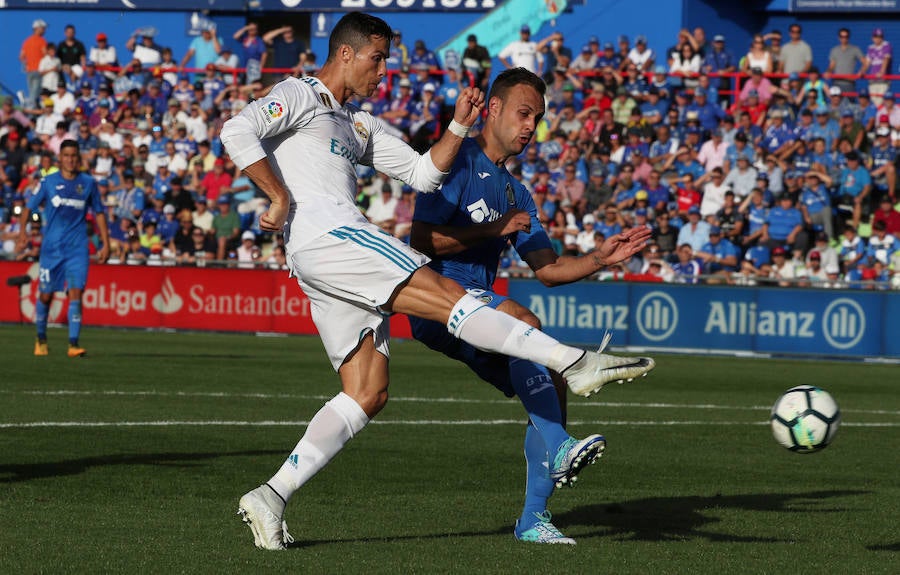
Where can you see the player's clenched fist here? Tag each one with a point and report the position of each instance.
(469, 106)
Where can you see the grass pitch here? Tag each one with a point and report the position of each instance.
(182, 424)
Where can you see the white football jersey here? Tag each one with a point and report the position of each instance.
(314, 144)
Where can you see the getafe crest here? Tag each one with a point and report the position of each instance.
(510, 195)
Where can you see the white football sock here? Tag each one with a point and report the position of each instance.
(490, 330)
(334, 425)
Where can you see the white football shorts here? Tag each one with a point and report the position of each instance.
(346, 274)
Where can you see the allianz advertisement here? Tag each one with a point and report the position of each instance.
(697, 318)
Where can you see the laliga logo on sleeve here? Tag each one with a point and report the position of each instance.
(167, 301)
(275, 109)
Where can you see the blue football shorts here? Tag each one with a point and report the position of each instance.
(63, 272)
(491, 367)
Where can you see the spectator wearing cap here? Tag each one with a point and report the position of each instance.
(586, 61)
(423, 119)
(778, 138)
(400, 107)
(712, 152)
(695, 232)
(825, 128)
(741, 179)
(86, 100)
(854, 187)
(719, 256)
(758, 83)
(226, 227)
(708, 114)
(63, 100)
(866, 110)
(782, 269)
(641, 55)
(104, 54)
(523, 53)
(815, 202)
(476, 60)
(146, 51)
(88, 143)
(852, 131)
(422, 55)
(851, 249)
(130, 199)
(398, 57)
(784, 226)
(45, 124)
(842, 60)
(33, 49)
(719, 60)
(253, 51)
(829, 255)
(879, 55)
(608, 58)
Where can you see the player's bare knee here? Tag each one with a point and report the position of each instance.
(371, 401)
(531, 319)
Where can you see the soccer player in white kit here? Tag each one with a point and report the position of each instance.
(300, 144)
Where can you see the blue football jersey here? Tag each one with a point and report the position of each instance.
(478, 192)
(66, 203)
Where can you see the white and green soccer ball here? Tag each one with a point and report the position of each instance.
(805, 419)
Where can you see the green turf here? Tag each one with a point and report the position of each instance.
(432, 498)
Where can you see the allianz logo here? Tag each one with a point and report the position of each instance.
(566, 311)
(843, 323)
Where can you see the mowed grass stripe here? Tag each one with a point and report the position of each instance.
(573, 404)
(411, 422)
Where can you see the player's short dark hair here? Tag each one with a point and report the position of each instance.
(513, 77)
(69, 144)
(356, 30)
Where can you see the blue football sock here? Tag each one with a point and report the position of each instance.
(74, 321)
(40, 319)
(537, 393)
(538, 485)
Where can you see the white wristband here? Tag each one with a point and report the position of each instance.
(458, 129)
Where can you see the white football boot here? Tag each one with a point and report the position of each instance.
(261, 509)
(595, 369)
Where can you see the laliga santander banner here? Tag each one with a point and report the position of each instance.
(176, 297)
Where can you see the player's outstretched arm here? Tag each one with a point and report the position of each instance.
(469, 106)
(553, 270)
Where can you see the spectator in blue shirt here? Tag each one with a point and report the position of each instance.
(883, 156)
(855, 184)
(815, 202)
(719, 256)
(422, 55)
(719, 60)
(708, 114)
(784, 226)
(777, 137)
(695, 232)
(825, 128)
(867, 111)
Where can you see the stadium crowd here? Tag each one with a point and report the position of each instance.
(788, 177)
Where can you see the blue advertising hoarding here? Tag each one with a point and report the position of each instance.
(761, 320)
(263, 5)
(843, 5)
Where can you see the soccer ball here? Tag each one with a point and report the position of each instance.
(805, 419)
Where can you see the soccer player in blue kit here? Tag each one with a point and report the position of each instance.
(67, 195)
(464, 229)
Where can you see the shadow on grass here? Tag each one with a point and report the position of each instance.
(19, 472)
(651, 519)
(187, 353)
(680, 518)
(884, 547)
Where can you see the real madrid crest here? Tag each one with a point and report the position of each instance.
(361, 130)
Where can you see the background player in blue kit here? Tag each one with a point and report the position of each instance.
(66, 195)
(465, 228)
